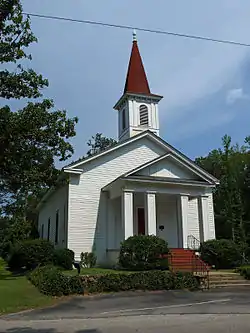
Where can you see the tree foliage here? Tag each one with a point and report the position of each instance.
(99, 143)
(32, 137)
(231, 165)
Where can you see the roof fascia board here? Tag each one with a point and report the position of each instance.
(153, 181)
(73, 171)
(128, 94)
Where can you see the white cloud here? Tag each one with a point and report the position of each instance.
(235, 95)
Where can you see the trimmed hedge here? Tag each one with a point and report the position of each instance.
(150, 280)
(142, 253)
(221, 253)
(64, 258)
(30, 254)
(51, 281)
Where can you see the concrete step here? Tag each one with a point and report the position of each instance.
(229, 285)
(226, 277)
(234, 282)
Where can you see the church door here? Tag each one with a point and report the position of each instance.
(141, 221)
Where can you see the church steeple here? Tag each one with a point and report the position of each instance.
(138, 107)
(136, 81)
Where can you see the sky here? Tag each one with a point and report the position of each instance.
(205, 85)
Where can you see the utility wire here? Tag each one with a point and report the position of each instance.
(222, 41)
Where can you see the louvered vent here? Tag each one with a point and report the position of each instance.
(143, 115)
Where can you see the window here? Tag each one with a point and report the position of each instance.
(42, 230)
(57, 226)
(143, 115)
(123, 119)
(48, 234)
(64, 223)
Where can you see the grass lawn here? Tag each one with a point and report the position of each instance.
(17, 293)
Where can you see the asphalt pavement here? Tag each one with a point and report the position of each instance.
(170, 311)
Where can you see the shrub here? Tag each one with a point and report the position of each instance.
(30, 254)
(142, 253)
(88, 259)
(222, 253)
(64, 258)
(51, 281)
(150, 280)
(12, 231)
(244, 271)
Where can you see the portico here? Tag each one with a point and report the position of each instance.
(172, 209)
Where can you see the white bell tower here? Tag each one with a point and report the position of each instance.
(137, 108)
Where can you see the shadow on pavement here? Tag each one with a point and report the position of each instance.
(44, 330)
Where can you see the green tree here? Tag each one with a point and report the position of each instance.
(32, 137)
(99, 143)
(231, 166)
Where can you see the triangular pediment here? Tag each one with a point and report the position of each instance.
(168, 166)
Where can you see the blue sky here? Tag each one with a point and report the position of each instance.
(205, 85)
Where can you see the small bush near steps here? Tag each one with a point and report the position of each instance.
(244, 271)
(221, 253)
(141, 253)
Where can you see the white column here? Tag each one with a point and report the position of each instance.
(184, 219)
(127, 213)
(111, 228)
(150, 213)
(203, 215)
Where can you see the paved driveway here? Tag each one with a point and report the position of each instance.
(172, 311)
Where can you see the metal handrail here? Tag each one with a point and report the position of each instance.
(193, 243)
(196, 244)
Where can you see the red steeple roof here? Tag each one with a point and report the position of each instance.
(136, 81)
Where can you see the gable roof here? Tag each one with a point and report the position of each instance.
(176, 159)
(84, 160)
(150, 135)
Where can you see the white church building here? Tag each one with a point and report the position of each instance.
(142, 185)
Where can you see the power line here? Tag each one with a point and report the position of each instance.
(222, 41)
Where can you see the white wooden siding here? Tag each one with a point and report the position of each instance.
(193, 218)
(167, 168)
(211, 217)
(57, 201)
(87, 211)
